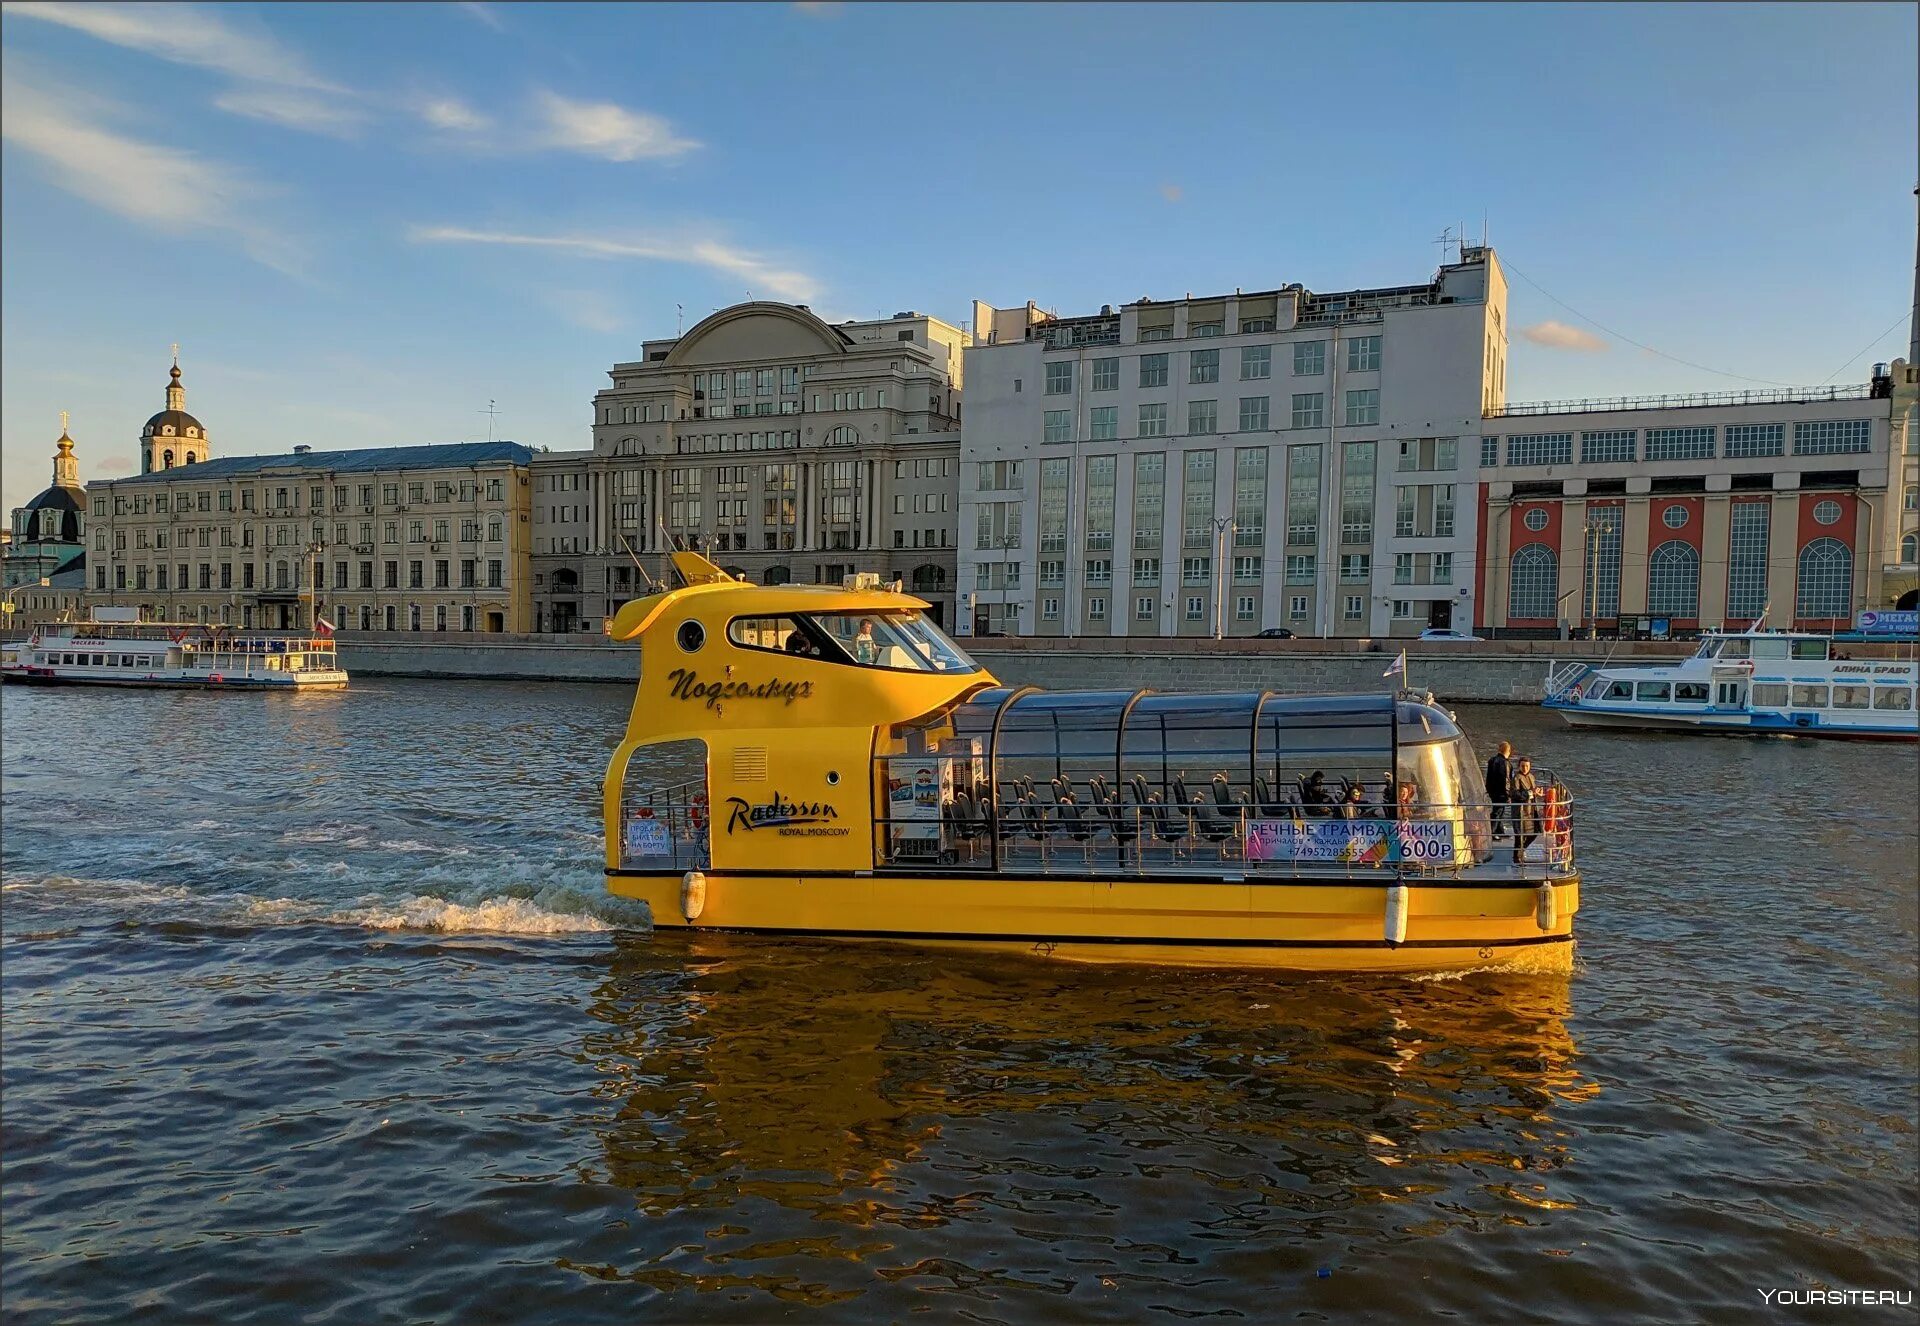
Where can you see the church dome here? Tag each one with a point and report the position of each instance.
(67, 502)
(174, 423)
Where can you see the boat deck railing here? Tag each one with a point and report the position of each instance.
(1027, 833)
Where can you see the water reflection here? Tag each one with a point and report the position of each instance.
(794, 1123)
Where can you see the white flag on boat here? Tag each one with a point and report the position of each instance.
(1398, 668)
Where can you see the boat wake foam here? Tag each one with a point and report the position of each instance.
(501, 909)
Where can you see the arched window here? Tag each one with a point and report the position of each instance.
(1673, 580)
(1910, 549)
(779, 575)
(842, 436)
(929, 577)
(166, 459)
(1825, 591)
(191, 458)
(1535, 584)
(1912, 500)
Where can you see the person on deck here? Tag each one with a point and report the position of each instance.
(1523, 795)
(1499, 789)
(865, 650)
(1314, 794)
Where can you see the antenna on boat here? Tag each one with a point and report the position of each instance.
(672, 545)
(627, 544)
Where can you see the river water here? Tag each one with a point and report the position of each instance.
(315, 1009)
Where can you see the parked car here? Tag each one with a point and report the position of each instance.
(1443, 633)
(1275, 633)
(992, 635)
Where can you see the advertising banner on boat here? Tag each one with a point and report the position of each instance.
(1888, 621)
(1352, 842)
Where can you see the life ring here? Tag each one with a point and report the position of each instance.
(1574, 695)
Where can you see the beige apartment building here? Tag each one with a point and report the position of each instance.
(784, 447)
(420, 538)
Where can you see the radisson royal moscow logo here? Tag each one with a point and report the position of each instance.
(688, 686)
(790, 818)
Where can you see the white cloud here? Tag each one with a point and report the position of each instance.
(166, 188)
(755, 272)
(484, 13)
(452, 113)
(1559, 336)
(602, 129)
(294, 110)
(587, 309)
(184, 35)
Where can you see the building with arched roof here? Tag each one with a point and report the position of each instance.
(786, 447)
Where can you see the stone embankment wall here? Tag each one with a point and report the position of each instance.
(1493, 671)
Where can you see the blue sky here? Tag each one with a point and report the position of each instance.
(362, 223)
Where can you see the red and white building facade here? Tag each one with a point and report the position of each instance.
(1699, 511)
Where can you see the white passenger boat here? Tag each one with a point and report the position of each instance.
(118, 653)
(1754, 683)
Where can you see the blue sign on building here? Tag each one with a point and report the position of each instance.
(1886, 621)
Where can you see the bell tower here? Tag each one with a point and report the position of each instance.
(173, 437)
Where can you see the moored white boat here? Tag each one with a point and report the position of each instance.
(173, 654)
(1750, 683)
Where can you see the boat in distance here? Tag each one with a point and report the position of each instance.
(128, 652)
(822, 760)
(1747, 683)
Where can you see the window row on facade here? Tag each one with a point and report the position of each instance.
(1825, 437)
(288, 497)
(1823, 585)
(1308, 359)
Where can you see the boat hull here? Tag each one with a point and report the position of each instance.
(1295, 925)
(1742, 724)
(318, 682)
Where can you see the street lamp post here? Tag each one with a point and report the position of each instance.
(1003, 543)
(7, 604)
(1222, 525)
(313, 590)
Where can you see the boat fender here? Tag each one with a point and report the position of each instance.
(1396, 921)
(693, 895)
(1546, 908)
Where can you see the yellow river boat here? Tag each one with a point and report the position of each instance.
(823, 760)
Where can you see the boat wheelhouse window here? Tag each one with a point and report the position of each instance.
(1653, 690)
(1769, 696)
(1690, 692)
(1809, 649)
(1735, 649)
(898, 640)
(1851, 696)
(1769, 648)
(1809, 697)
(1893, 697)
(1619, 690)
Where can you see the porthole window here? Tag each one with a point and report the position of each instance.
(691, 636)
(1675, 517)
(1536, 519)
(1826, 513)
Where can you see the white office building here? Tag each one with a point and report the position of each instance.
(1231, 463)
